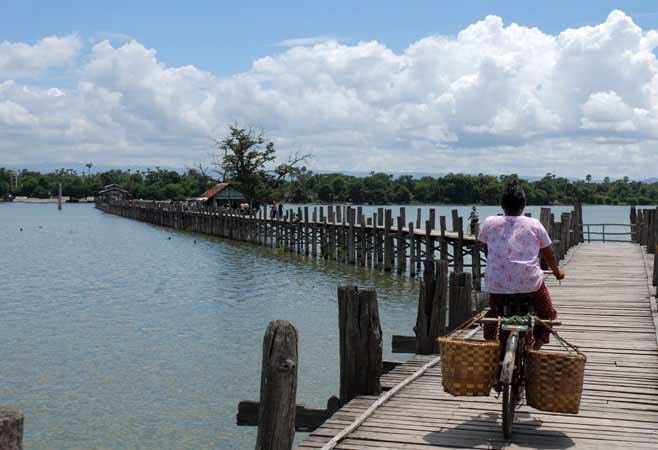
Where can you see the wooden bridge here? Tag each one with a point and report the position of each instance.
(345, 235)
(608, 309)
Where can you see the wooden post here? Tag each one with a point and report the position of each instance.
(443, 243)
(388, 242)
(363, 240)
(461, 301)
(545, 220)
(429, 239)
(633, 222)
(360, 336)
(59, 198)
(458, 247)
(314, 233)
(655, 269)
(475, 266)
(579, 223)
(351, 246)
(11, 429)
(370, 233)
(324, 236)
(412, 250)
(429, 242)
(306, 230)
(565, 219)
(432, 307)
(417, 240)
(278, 388)
(379, 258)
(331, 230)
(455, 220)
(651, 231)
(401, 249)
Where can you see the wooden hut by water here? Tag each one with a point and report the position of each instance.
(222, 194)
(112, 192)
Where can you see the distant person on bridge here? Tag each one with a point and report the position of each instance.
(474, 219)
(512, 244)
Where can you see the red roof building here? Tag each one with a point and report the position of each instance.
(222, 194)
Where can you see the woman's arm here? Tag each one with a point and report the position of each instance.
(551, 262)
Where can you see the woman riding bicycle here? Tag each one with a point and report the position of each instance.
(512, 244)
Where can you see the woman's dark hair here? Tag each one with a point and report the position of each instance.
(514, 198)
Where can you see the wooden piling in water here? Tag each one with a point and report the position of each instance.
(11, 429)
(412, 251)
(401, 246)
(360, 337)
(443, 244)
(458, 247)
(278, 388)
(344, 235)
(351, 243)
(388, 241)
(432, 307)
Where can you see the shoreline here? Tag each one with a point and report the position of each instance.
(47, 200)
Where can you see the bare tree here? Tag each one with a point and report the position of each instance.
(291, 168)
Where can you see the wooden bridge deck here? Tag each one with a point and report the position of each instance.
(608, 311)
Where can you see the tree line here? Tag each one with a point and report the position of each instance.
(307, 186)
(246, 159)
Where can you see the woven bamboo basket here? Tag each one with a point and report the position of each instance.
(468, 367)
(554, 380)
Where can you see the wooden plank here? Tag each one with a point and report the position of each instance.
(606, 309)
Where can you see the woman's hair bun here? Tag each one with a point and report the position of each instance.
(513, 185)
(514, 197)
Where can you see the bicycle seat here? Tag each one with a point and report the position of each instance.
(523, 298)
(517, 304)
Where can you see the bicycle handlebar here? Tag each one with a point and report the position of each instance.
(494, 320)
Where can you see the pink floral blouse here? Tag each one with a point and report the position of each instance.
(513, 260)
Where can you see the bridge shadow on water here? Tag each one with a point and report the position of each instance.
(484, 430)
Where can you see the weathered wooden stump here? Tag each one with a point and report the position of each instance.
(278, 387)
(432, 307)
(11, 429)
(360, 343)
(461, 299)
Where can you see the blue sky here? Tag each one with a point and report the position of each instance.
(493, 87)
(225, 37)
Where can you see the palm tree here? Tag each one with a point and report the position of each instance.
(588, 178)
(89, 166)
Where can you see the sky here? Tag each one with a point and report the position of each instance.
(432, 87)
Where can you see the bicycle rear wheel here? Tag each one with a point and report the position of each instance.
(510, 398)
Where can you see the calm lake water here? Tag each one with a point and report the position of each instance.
(114, 336)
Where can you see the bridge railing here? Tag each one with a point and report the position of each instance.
(597, 232)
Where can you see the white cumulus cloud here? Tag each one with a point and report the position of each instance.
(18, 59)
(494, 98)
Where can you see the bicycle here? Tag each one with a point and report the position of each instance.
(515, 325)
